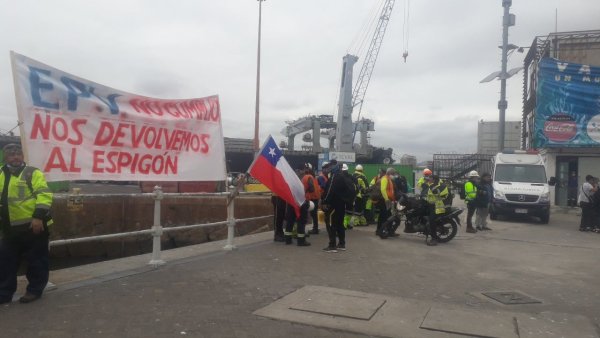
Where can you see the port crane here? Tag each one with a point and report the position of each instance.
(341, 138)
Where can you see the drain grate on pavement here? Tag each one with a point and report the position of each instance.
(511, 297)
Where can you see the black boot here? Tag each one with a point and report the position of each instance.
(302, 241)
(288, 239)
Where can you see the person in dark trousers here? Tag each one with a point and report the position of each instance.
(279, 207)
(437, 192)
(470, 195)
(312, 193)
(482, 201)
(350, 196)
(371, 207)
(323, 179)
(586, 203)
(596, 205)
(385, 206)
(25, 217)
(334, 203)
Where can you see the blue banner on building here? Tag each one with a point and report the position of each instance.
(568, 105)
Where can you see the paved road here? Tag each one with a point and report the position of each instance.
(214, 294)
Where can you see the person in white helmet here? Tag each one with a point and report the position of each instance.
(471, 187)
(361, 200)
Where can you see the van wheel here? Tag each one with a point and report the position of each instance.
(544, 219)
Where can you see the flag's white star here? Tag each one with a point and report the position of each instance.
(272, 152)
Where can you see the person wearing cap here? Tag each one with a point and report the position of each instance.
(387, 191)
(312, 193)
(25, 217)
(359, 203)
(470, 195)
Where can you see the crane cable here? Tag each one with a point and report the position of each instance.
(364, 34)
(406, 28)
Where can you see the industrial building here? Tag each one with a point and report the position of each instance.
(561, 115)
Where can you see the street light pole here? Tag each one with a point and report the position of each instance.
(256, 112)
(507, 21)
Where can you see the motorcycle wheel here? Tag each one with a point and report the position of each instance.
(446, 231)
(385, 229)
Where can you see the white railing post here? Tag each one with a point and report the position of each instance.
(230, 225)
(157, 230)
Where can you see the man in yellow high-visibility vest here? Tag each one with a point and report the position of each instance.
(25, 217)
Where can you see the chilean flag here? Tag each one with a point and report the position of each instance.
(271, 169)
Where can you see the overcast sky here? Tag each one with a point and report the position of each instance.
(197, 48)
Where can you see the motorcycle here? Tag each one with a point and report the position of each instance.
(414, 211)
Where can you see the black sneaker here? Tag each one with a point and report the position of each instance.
(330, 249)
(341, 247)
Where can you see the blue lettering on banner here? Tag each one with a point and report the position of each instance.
(75, 90)
(111, 101)
(37, 86)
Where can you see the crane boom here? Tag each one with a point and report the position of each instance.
(364, 77)
(352, 96)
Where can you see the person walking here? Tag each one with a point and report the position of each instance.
(587, 204)
(470, 195)
(312, 193)
(25, 217)
(334, 206)
(483, 200)
(385, 207)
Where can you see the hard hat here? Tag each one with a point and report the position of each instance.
(344, 167)
(325, 163)
(359, 167)
(473, 173)
(308, 165)
(427, 172)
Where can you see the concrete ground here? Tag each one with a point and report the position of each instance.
(204, 291)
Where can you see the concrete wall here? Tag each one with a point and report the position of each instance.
(487, 136)
(107, 214)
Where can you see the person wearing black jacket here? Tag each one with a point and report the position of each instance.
(485, 191)
(333, 203)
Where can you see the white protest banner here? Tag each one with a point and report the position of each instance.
(73, 128)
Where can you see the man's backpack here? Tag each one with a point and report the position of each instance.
(374, 191)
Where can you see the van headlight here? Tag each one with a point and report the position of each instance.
(545, 197)
(499, 195)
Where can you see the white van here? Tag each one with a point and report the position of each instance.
(520, 185)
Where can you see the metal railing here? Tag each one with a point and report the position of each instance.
(157, 230)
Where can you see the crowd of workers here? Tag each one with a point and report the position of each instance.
(349, 200)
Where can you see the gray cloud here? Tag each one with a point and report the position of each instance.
(199, 48)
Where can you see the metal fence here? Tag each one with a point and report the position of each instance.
(157, 230)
